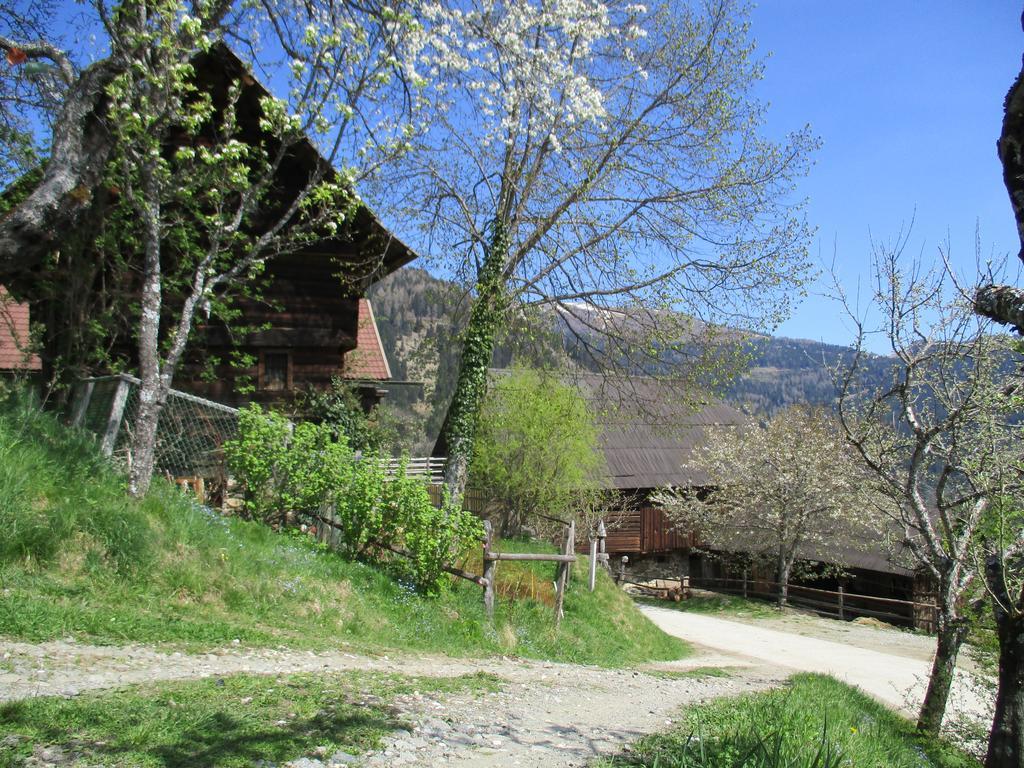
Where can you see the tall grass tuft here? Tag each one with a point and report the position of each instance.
(815, 722)
(54, 486)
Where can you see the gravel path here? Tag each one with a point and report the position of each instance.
(890, 665)
(545, 715)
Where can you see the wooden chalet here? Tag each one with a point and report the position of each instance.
(311, 321)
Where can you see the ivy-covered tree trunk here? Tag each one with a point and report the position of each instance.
(951, 634)
(477, 349)
(1006, 741)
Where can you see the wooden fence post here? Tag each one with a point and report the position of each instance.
(116, 415)
(593, 563)
(562, 578)
(841, 616)
(489, 568)
(82, 398)
(744, 582)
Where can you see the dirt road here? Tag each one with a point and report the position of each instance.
(557, 715)
(546, 714)
(890, 665)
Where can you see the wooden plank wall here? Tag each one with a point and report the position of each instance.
(646, 531)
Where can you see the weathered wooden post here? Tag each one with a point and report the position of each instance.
(489, 568)
(602, 535)
(593, 563)
(82, 397)
(841, 616)
(117, 405)
(562, 578)
(744, 582)
(621, 577)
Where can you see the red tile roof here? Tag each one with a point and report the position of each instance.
(367, 360)
(14, 336)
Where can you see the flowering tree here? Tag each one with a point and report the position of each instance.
(778, 491)
(177, 187)
(601, 160)
(937, 437)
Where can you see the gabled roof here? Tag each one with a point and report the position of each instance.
(650, 427)
(367, 360)
(216, 69)
(14, 336)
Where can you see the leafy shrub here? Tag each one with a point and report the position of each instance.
(304, 469)
(284, 467)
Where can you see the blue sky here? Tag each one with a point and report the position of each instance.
(907, 99)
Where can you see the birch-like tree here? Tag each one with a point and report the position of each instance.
(605, 161)
(197, 207)
(937, 436)
(779, 491)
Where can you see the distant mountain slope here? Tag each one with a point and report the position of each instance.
(420, 316)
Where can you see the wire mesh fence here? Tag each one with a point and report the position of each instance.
(191, 432)
(190, 435)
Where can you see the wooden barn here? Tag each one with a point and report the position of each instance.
(648, 437)
(648, 433)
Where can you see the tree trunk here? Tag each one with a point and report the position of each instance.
(152, 392)
(1003, 303)
(144, 432)
(78, 156)
(782, 576)
(951, 634)
(477, 350)
(1006, 741)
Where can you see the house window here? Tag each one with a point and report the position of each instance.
(275, 370)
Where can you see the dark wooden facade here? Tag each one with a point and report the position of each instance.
(645, 530)
(299, 333)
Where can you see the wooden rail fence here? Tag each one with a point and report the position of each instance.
(839, 603)
(564, 559)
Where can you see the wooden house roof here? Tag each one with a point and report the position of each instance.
(365, 240)
(367, 360)
(14, 335)
(649, 429)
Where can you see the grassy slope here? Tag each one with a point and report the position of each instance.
(816, 722)
(232, 721)
(79, 558)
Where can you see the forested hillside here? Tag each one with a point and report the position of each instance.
(419, 317)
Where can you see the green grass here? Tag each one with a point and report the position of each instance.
(230, 721)
(79, 558)
(814, 722)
